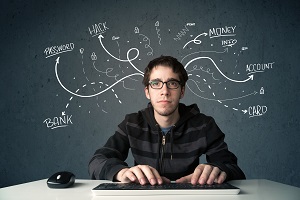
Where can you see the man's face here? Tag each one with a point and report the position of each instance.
(164, 101)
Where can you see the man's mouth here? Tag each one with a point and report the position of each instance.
(164, 101)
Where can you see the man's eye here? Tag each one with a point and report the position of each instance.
(155, 83)
(173, 83)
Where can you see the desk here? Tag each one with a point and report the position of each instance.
(250, 190)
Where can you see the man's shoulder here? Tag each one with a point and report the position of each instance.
(135, 117)
(193, 110)
(201, 118)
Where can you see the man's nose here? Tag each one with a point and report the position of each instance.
(165, 90)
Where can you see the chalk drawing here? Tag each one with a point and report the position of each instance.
(157, 31)
(195, 40)
(181, 33)
(205, 57)
(146, 40)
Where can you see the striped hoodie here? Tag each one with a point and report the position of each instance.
(174, 155)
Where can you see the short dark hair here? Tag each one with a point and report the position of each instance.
(168, 61)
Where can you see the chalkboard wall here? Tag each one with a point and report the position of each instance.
(71, 70)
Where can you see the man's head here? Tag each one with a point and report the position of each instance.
(164, 81)
(167, 61)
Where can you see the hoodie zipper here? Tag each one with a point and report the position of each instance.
(163, 143)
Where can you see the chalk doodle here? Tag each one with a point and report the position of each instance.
(145, 39)
(181, 33)
(95, 94)
(212, 60)
(195, 40)
(157, 31)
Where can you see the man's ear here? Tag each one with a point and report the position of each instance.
(146, 89)
(182, 92)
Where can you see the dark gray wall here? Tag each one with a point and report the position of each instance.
(254, 32)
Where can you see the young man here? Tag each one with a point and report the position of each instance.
(166, 138)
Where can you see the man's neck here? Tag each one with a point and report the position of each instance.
(167, 121)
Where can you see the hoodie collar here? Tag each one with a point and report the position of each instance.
(185, 112)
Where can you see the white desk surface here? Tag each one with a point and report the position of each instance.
(250, 190)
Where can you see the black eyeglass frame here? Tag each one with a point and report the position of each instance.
(166, 82)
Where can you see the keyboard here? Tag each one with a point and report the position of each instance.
(133, 189)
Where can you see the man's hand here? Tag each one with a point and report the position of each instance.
(204, 174)
(142, 174)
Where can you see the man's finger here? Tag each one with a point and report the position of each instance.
(157, 176)
(125, 176)
(185, 179)
(137, 171)
(205, 174)
(197, 173)
(222, 177)
(213, 175)
(128, 176)
(151, 174)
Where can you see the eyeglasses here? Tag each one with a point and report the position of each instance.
(171, 84)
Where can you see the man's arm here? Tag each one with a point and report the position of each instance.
(108, 163)
(109, 159)
(218, 155)
(222, 164)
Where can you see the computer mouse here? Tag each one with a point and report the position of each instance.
(62, 179)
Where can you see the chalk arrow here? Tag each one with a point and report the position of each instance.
(128, 60)
(92, 95)
(100, 39)
(244, 111)
(251, 77)
(195, 40)
(57, 60)
(237, 81)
